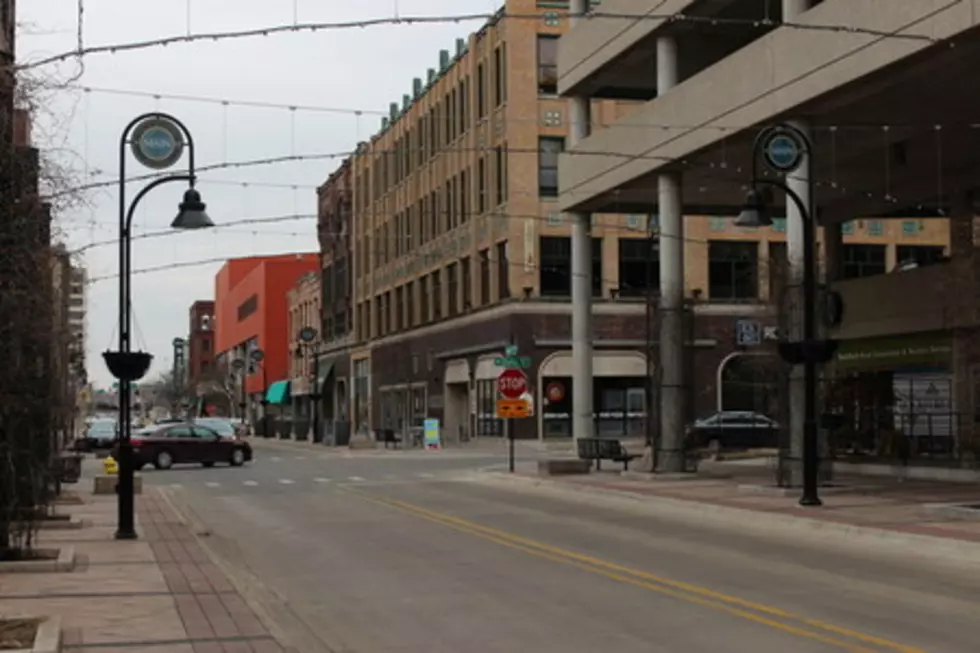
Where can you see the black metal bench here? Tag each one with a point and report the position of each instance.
(599, 449)
(388, 436)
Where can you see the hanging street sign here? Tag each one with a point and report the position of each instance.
(157, 143)
(783, 151)
(520, 362)
(513, 408)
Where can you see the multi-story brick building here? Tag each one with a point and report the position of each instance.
(335, 227)
(200, 342)
(459, 250)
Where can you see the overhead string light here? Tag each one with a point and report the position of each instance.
(296, 26)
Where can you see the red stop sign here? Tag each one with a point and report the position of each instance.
(512, 384)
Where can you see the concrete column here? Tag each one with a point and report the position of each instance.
(793, 8)
(799, 182)
(833, 247)
(673, 394)
(670, 455)
(583, 424)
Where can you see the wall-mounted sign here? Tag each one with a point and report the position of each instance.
(555, 392)
(157, 143)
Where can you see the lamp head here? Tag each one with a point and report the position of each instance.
(192, 214)
(755, 211)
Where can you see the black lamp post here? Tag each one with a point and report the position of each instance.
(158, 141)
(257, 356)
(784, 148)
(238, 365)
(307, 343)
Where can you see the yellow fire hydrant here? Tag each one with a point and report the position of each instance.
(110, 466)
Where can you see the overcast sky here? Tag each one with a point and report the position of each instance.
(356, 69)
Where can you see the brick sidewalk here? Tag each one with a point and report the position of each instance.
(158, 594)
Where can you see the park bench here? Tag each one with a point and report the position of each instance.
(599, 449)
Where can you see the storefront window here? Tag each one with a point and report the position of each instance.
(362, 382)
(619, 405)
(487, 423)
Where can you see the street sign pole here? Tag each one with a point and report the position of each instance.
(510, 444)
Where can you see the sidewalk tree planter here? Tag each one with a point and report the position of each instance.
(30, 635)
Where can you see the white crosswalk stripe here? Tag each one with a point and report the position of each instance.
(275, 459)
(356, 479)
(176, 485)
(212, 484)
(250, 483)
(286, 481)
(320, 479)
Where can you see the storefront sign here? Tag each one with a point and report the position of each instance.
(891, 352)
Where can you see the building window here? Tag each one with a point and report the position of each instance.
(410, 304)
(914, 255)
(424, 300)
(555, 266)
(467, 283)
(481, 192)
(733, 270)
(501, 182)
(248, 307)
(503, 271)
(639, 266)
(452, 289)
(875, 228)
(436, 283)
(481, 85)
(910, 227)
(847, 228)
(549, 147)
(547, 64)
(859, 261)
(399, 308)
(499, 70)
(484, 277)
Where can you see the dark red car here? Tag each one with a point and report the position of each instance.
(165, 445)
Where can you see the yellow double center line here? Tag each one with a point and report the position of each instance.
(772, 617)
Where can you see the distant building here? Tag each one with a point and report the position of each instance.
(200, 341)
(251, 313)
(306, 378)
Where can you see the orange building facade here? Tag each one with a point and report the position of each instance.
(251, 312)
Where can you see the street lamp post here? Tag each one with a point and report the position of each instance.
(157, 141)
(784, 147)
(307, 343)
(257, 356)
(238, 365)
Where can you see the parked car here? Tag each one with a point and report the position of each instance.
(173, 444)
(735, 429)
(100, 434)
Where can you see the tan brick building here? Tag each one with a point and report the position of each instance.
(459, 250)
(304, 302)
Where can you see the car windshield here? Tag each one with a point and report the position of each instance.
(221, 426)
(102, 427)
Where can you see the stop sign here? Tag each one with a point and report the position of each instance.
(512, 384)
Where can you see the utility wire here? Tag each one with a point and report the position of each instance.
(757, 24)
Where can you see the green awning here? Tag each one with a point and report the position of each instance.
(278, 393)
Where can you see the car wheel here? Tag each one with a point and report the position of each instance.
(237, 458)
(163, 460)
(209, 463)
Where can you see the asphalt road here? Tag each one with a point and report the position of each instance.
(378, 553)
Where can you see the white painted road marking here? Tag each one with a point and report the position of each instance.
(320, 479)
(427, 475)
(286, 481)
(250, 483)
(275, 459)
(300, 457)
(176, 485)
(212, 484)
(356, 479)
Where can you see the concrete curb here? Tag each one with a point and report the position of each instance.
(750, 522)
(48, 637)
(65, 561)
(953, 511)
